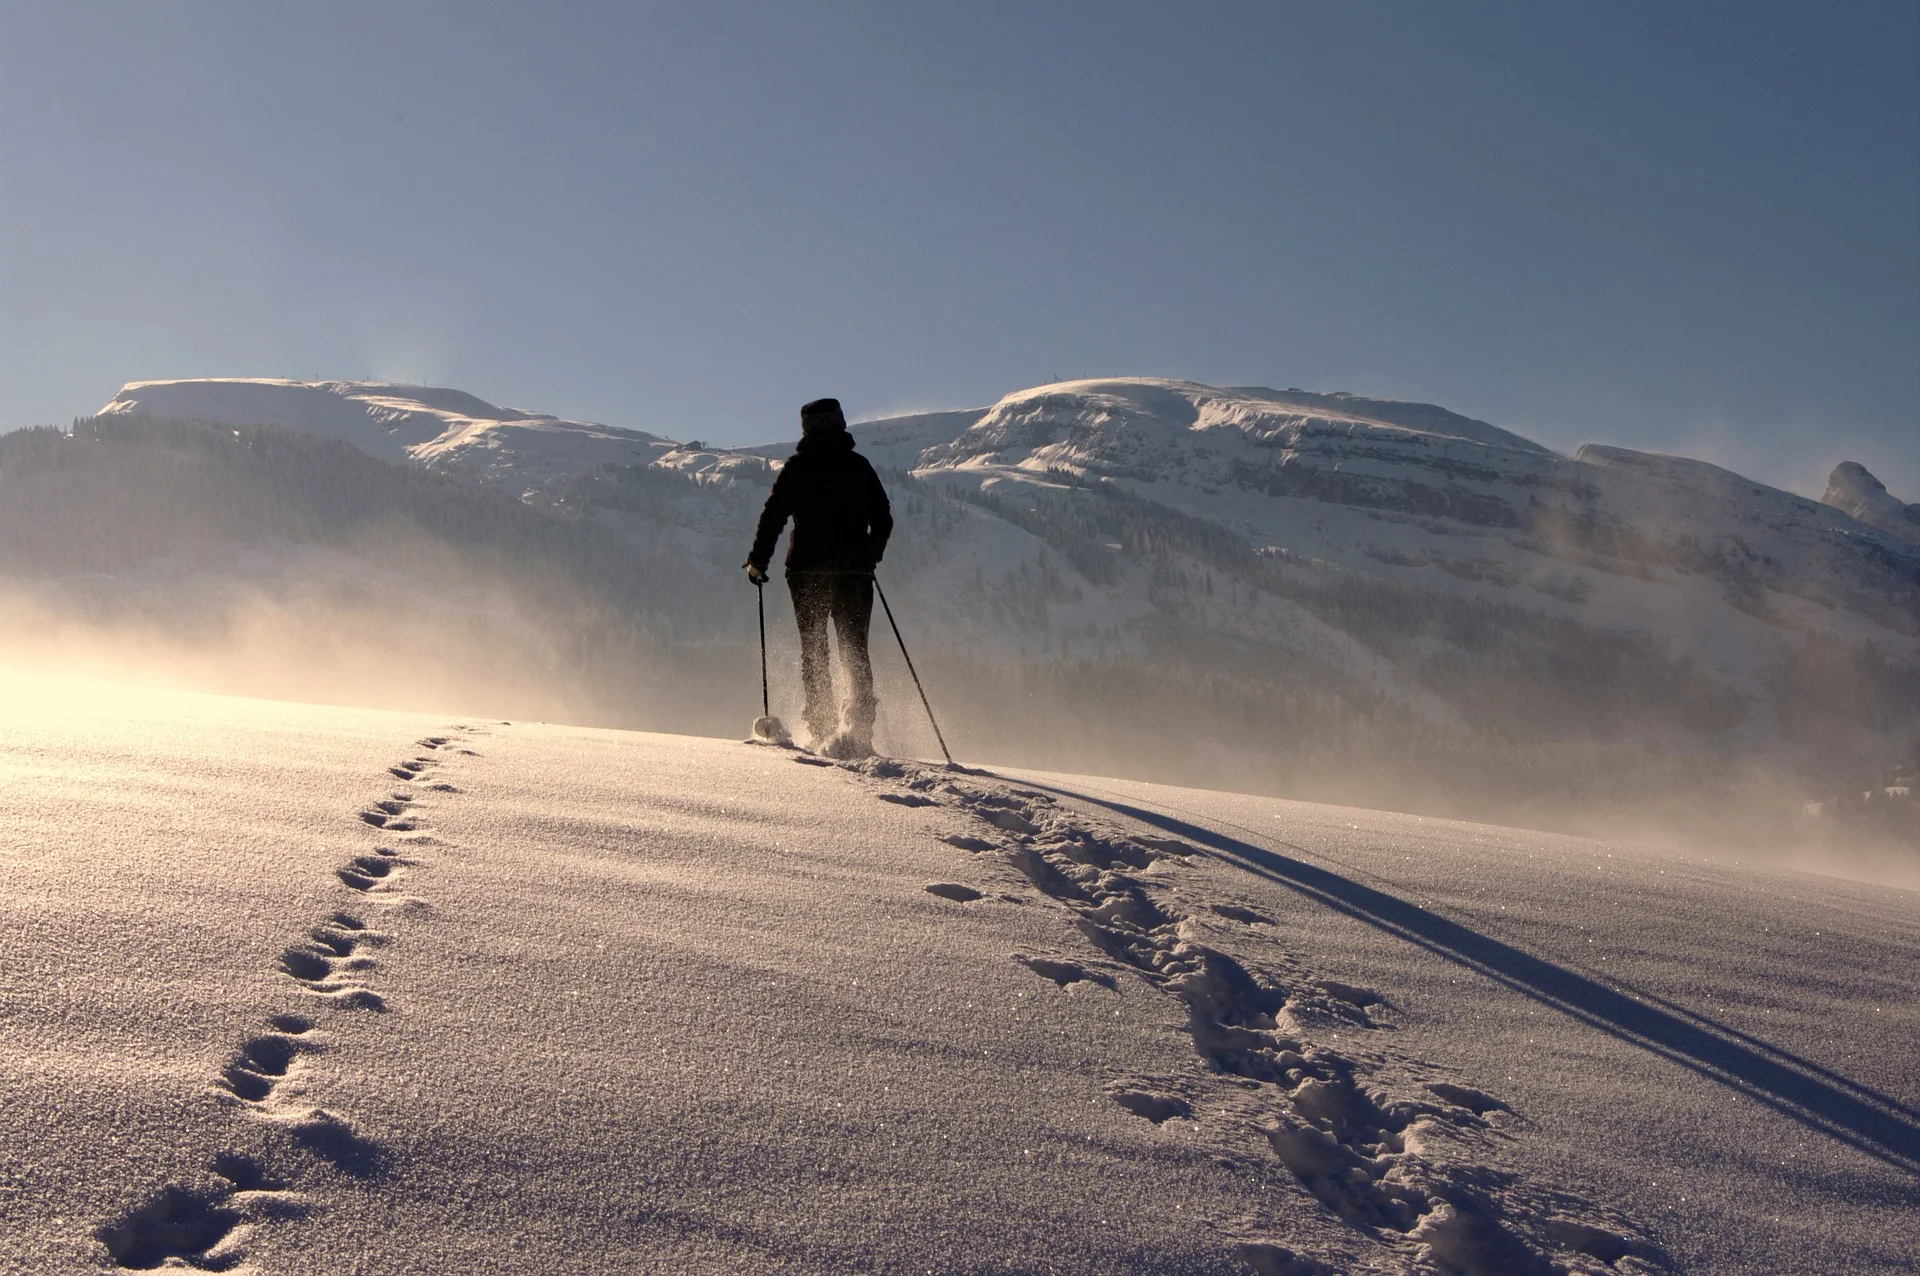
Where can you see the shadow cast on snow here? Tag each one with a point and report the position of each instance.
(1857, 1115)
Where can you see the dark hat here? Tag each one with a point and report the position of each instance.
(823, 414)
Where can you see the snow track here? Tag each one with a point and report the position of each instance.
(206, 1226)
(1406, 1156)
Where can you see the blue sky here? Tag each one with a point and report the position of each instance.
(1685, 227)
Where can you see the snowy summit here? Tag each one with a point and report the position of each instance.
(447, 428)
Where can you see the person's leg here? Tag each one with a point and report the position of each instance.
(852, 614)
(812, 605)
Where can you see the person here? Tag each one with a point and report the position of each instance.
(841, 522)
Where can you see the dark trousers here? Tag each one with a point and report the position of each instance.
(845, 599)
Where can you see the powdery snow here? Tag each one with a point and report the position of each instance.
(296, 989)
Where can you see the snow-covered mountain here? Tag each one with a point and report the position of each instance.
(1414, 494)
(1853, 490)
(1169, 564)
(448, 429)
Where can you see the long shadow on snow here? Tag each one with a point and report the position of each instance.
(1857, 1115)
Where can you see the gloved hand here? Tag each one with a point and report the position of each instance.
(756, 573)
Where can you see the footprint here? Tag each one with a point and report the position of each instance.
(1234, 912)
(1608, 1247)
(1066, 972)
(1130, 905)
(333, 1139)
(975, 844)
(954, 891)
(314, 968)
(1346, 1182)
(1352, 994)
(337, 940)
(391, 814)
(1467, 1097)
(1270, 1258)
(805, 759)
(181, 1225)
(907, 799)
(1044, 875)
(1152, 1105)
(357, 999)
(306, 965)
(1101, 852)
(263, 1061)
(364, 872)
(1011, 821)
(1475, 1242)
(246, 1084)
(245, 1173)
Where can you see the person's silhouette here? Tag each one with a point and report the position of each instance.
(841, 522)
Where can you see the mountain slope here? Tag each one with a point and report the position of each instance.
(1326, 594)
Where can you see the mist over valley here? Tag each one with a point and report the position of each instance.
(1282, 592)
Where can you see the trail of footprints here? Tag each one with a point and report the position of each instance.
(1389, 1143)
(204, 1227)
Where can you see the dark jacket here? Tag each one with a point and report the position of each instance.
(841, 519)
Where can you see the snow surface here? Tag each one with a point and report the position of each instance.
(295, 989)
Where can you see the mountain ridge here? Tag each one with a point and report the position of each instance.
(1149, 565)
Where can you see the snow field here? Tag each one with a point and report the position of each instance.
(301, 989)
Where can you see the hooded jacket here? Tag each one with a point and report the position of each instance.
(841, 517)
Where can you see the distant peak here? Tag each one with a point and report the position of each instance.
(1184, 404)
(1852, 489)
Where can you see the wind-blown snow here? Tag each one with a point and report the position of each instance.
(299, 989)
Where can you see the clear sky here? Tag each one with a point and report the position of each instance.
(1690, 227)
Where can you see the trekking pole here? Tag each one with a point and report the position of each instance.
(916, 675)
(766, 727)
(766, 708)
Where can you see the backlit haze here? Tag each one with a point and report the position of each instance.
(1686, 229)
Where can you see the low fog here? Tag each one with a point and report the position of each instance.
(348, 633)
(1079, 629)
